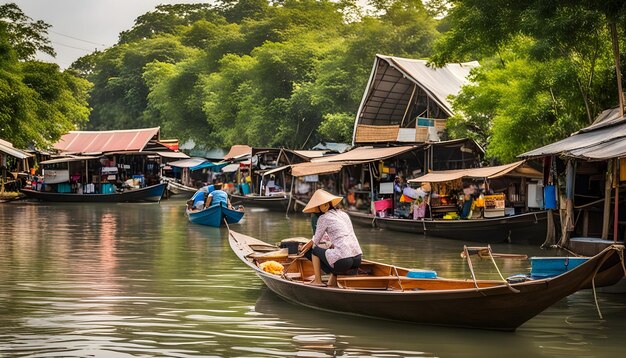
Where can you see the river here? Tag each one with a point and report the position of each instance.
(138, 280)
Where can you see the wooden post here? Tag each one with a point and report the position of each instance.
(408, 106)
(616, 205)
(607, 201)
(369, 166)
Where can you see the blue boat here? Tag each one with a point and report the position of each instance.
(214, 215)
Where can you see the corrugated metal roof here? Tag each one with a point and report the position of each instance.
(68, 159)
(579, 143)
(106, 141)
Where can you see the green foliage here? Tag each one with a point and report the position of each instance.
(38, 102)
(547, 69)
(120, 94)
(337, 127)
(254, 72)
(25, 36)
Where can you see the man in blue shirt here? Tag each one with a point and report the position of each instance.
(198, 199)
(217, 197)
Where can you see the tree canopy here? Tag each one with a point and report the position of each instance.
(287, 73)
(548, 68)
(293, 72)
(38, 102)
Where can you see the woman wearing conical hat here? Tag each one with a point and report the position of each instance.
(344, 252)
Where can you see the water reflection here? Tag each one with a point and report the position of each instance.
(139, 280)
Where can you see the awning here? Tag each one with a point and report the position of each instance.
(230, 168)
(580, 141)
(215, 167)
(188, 163)
(276, 170)
(312, 168)
(67, 159)
(600, 141)
(365, 154)
(175, 155)
(615, 148)
(519, 169)
(237, 151)
(309, 154)
(7, 147)
(106, 141)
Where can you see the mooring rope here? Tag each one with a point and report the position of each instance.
(499, 273)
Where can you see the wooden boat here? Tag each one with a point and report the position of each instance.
(270, 202)
(214, 215)
(387, 292)
(175, 188)
(522, 228)
(152, 193)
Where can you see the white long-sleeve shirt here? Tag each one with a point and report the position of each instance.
(337, 225)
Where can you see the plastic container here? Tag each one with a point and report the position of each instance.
(549, 193)
(421, 274)
(542, 267)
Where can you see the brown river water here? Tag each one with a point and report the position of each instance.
(138, 280)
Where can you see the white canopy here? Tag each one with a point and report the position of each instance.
(519, 169)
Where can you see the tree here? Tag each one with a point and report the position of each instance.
(38, 102)
(25, 36)
(568, 40)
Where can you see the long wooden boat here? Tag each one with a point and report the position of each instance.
(522, 228)
(389, 292)
(214, 215)
(270, 202)
(152, 193)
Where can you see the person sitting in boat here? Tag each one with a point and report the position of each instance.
(344, 252)
(217, 197)
(199, 197)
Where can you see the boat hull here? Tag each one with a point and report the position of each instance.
(274, 203)
(495, 307)
(152, 193)
(530, 228)
(174, 188)
(214, 216)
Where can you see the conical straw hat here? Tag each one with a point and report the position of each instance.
(321, 197)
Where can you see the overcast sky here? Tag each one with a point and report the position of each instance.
(81, 26)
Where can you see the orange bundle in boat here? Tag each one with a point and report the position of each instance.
(272, 267)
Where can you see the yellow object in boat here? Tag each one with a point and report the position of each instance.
(273, 267)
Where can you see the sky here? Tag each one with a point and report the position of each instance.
(81, 26)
